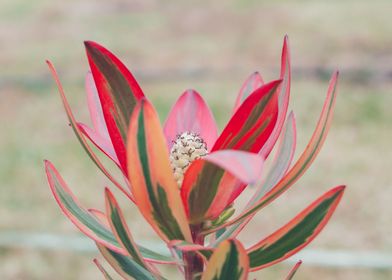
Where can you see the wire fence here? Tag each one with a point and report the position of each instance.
(315, 257)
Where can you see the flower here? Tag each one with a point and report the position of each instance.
(184, 177)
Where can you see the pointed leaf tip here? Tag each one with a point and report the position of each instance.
(293, 270)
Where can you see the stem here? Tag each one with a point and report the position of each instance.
(193, 262)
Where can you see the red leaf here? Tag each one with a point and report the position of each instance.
(118, 92)
(252, 124)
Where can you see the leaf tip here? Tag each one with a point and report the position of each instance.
(47, 164)
(89, 44)
(108, 195)
(93, 47)
(190, 91)
(340, 189)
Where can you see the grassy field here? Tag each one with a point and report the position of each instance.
(212, 48)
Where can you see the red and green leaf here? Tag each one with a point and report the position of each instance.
(79, 133)
(229, 261)
(118, 92)
(293, 271)
(125, 266)
(89, 221)
(191, 114)
(253, 82)
(120, 229)
(210, 182)
(153, 186)
(304, 161)
(247, 130)
(296, 234)
(79, 216)
(253, 122)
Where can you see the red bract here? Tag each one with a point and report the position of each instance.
(184, 177)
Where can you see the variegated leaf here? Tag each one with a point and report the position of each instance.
(229, 261)
(125, 266)
(305, 160)
(278, 169)
(86, 222)
(252, 124)
(120, 229)
(80, 135)
(297, 233)
(153, 185)
(210, 182)
(118, 92)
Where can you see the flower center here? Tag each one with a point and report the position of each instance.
(186, 148)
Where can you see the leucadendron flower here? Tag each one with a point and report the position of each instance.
(185, 177)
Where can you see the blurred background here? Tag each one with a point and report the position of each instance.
(211, 46)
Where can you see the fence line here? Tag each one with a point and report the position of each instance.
(316, 257)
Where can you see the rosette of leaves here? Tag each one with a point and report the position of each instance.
(184, 176)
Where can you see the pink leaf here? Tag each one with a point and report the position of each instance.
(95, 107)
(104, 144)
(210, 182)
(191, 114)
(283, 99)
